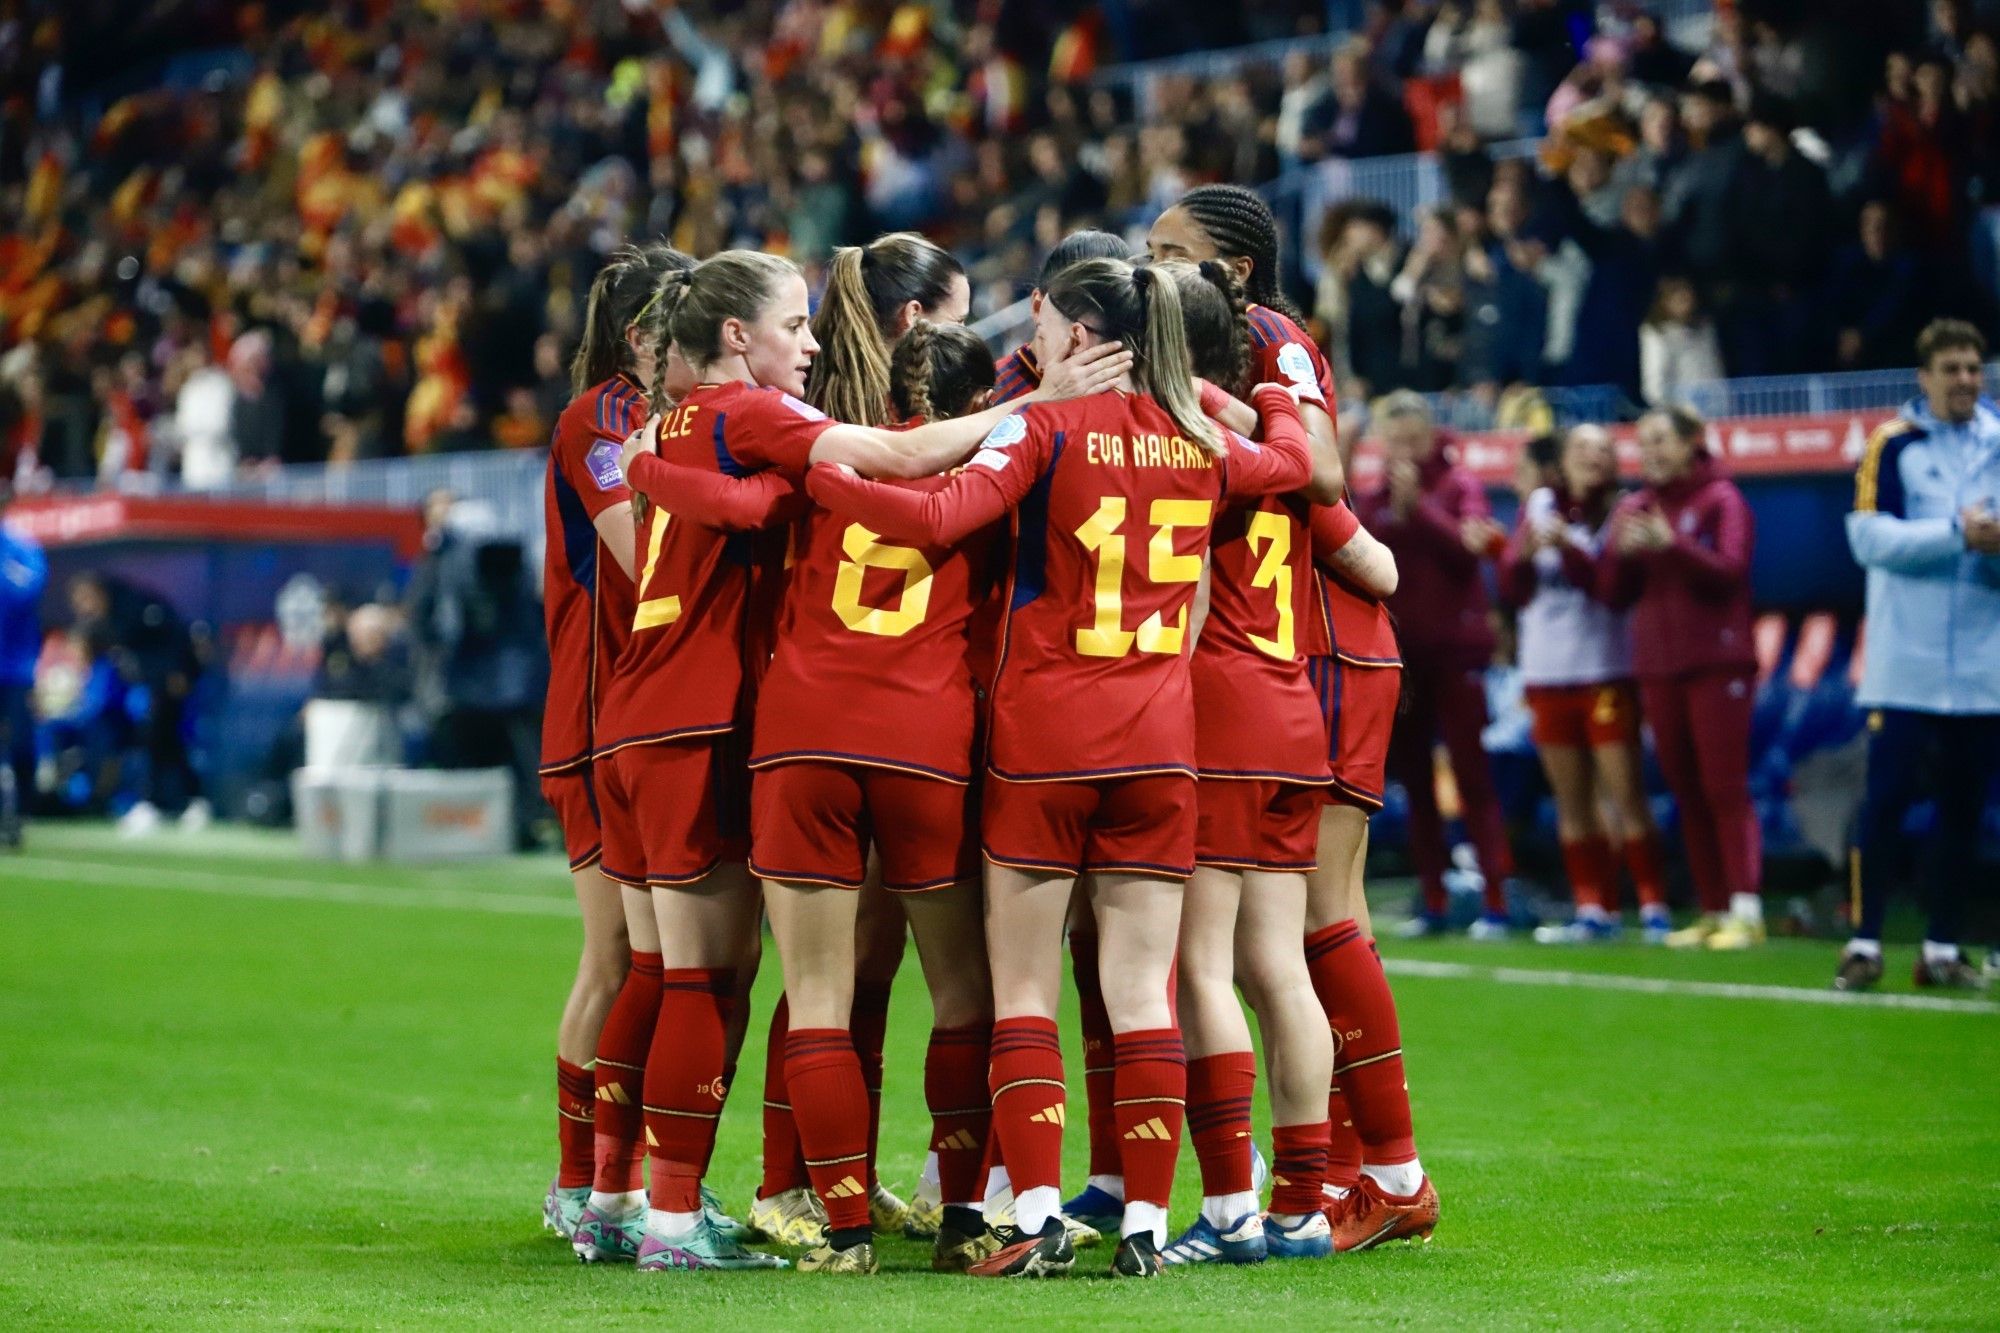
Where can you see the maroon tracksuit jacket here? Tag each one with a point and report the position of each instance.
(1444, 622)
(1693, 655)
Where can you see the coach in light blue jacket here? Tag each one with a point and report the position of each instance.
(1926, 527)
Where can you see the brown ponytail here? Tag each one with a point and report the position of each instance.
(619, 297)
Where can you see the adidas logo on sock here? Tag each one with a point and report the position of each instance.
(1052, 1115)
(1154, 1129)
(614, 1093)
(959, 1140)
(848, 1188)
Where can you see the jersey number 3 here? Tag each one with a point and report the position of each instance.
(862, 551)
(1101, 535)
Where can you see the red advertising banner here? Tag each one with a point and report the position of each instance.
(1749, 446)
(68, 520)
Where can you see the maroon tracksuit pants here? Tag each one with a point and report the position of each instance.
(1701, 734)
(1448, 700)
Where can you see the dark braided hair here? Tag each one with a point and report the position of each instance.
(1241, 224)
(1218, 321)
(937, 370)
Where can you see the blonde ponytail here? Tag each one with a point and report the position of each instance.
(850, 376)
(1161, 368)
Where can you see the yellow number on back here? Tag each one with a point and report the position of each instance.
(656, 611)
(1274, 570)
(1107, 635)
(864, 551)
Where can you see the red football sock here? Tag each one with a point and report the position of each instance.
(1298, 1166)
(784, 1168)
(830, 1103)
(1026, 1079)
(1150, 1102)
(576, 1102)
(961, 1109)
(684, 1083)
(1646, 863)
(1368, 1053)
(868, 1020)
(1098, 1060)
(1592, 871)
(1343, 1153)
(621, 1075)
(731, 1000)
(1219, 1091)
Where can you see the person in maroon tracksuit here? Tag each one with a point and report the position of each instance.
(1433, 515)
(1679, 556)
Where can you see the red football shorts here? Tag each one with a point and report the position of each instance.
(1257, 824)
(811, 823)
(1584, 715)
(1142, 825)
(672, 811)
(1359, 704)
(572, 795)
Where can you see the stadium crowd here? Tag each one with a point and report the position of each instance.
(367, 230)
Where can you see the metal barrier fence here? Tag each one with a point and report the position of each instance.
(1687, 23)
(507, 485)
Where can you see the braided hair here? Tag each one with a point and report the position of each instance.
(937, 370)
(1241, 225)
(1217, 315)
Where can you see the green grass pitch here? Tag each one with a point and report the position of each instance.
(238, 1089)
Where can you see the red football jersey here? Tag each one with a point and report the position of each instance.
(1111, 513)
(684, 668)
(1256, 714)
(871, 658)
(1016, 375)
(1347, 621)
(586, 597)
(1360, 627)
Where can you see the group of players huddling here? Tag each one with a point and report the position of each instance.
(839, 610)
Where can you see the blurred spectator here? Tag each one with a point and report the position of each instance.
(1357, 117)
(157, 662)
(1653, 59)
(1779, 220)
(1507, 304)
(1432, 513)
(1679, 558)
(24, 571)
(1697, 204)
(1871, 295)
(1575, 655)
(1431, 291)
(1677, 345)
(1475, 41)
(367, 660)
(1357, 301)
(483, 660)
(1926, 527)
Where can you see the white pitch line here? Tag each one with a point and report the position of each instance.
(236, 884)
(1719, 990)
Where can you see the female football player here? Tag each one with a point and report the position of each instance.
(1261, 747)
(740, 322)
(587, 601)
(1091, 762)
(1576, 660)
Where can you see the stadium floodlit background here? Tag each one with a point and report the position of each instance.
(287, 294)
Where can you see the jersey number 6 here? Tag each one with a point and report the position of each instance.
(864, 551)
(1107, 635)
